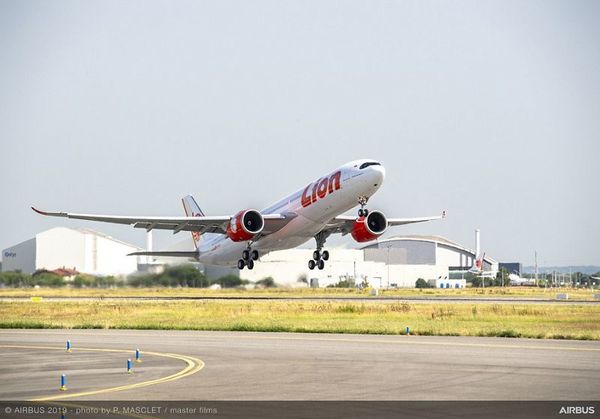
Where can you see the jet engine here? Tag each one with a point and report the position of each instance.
(245, 225)
(370, 227)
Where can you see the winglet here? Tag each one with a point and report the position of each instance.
(54, 214)
(38, 211)
(443, 214)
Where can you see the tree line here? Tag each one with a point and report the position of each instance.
(172, 276)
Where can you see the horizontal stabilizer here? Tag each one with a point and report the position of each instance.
(168, 253)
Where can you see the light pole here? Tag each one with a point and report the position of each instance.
(388, 267)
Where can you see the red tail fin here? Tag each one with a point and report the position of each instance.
(192, 209)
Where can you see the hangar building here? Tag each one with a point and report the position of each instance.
(426, 250)
(84, 250)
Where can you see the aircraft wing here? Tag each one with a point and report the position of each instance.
(204, 224)
(343, 223)
(402, 221)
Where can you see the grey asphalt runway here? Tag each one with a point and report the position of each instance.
(282, 366)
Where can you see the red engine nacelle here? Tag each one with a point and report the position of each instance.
(245, 225)
(370, 227)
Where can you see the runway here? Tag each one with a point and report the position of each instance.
(282, 366)
(380, 299)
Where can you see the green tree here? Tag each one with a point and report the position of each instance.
(183, 275)
(15, 279)
(179, 275)
(143, 280)
(83, 281)
(229, 281)
(47, 279)
(502, 277)
(267, 282)
(343, 283)
(421, 283)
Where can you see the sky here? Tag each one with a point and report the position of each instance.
(487, 109)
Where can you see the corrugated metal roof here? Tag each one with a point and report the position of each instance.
(432, 239)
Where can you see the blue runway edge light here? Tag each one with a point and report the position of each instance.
(63, 382)
(68, 346)
(129, 370)
(138, 356)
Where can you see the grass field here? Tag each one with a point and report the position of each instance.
(509, 320)
(491, 292)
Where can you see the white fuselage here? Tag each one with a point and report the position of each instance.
(312, 208)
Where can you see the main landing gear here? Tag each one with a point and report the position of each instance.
(318, 259)
(248, 258)
(362, 201)
(319, 256)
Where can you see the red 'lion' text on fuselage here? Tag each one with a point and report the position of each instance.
(321, 188)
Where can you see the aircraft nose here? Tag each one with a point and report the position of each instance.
(378, 174)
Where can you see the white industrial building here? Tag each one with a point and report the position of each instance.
(394, 262)
(447, 283)
(84, 250)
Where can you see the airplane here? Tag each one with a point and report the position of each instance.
(477, 265)
(314, 211)
(477, 268)
(515, 279)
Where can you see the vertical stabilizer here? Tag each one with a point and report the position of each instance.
(191, 208)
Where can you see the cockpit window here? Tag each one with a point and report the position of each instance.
(369, 163)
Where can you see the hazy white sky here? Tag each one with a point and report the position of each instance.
(489, 109)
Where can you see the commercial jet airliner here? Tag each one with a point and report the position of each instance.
(312, 212)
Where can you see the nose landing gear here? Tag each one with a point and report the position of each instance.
(362, 201)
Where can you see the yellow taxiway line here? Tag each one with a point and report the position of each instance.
(193, 366)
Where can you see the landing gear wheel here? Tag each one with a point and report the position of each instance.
(246, 255)
(250, 264)
(362, 201)
(241, 264)
(254, 254)
(319, 256)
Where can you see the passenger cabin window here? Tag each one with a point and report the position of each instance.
(370, 163)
